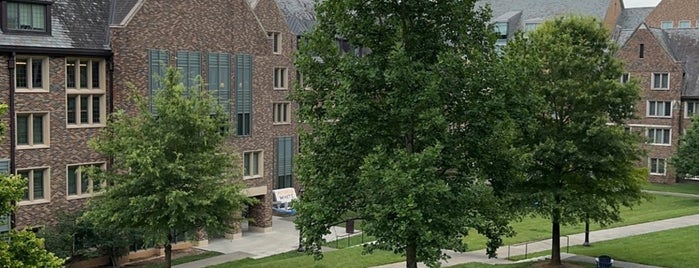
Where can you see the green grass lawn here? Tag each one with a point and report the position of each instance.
(670, 248)
(533, 229)
(349, 258)
(685, 188)
(183, 259)
(513, 265)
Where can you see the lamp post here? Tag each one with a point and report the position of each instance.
(300, 248)
(587, 231)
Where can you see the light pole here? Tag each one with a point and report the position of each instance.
(300, 249)
(587, 231)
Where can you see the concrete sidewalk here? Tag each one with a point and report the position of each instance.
(284, 237)
(576, 239)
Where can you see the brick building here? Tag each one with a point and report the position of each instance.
(68, 64)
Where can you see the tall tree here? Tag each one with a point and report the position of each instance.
(405, 126)
(686, 161)
(172, 171)
(582, 164)
(19, 249)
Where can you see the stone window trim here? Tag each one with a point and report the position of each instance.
(660, 81)
(46, 184)
(91, 85)
(8, 28)
(661, 136)
(659, 109)
(684, 24)
(691, 108)
(93, 117)
(657, 166)
(79, 177)
(28, 61)
(46, 127)
(276, 42)
(252, 160)
(667, 24)
(625, 77)
(281, 113)
(281, 78)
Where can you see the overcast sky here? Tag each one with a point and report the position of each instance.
(640, 3)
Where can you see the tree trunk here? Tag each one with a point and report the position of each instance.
(411, 256)
(556, 237)
(168, 251)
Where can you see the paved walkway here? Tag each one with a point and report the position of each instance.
(672, 194)
(284, 238)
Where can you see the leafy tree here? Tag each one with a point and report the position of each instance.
(172, 171)
(686, 161)
(571, 110)
(406, 133)
(20, 249)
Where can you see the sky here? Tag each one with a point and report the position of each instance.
(640, 3)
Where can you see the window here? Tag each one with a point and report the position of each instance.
(277, 42)
(159, 61)
(659, 136)
(690, 108)
(530, 27)
(666, 25)
(625, 78)
(279, 78)
(657, 166)
(85, 74)
(252, 164)
(684, 24)
(32, 130)
(29, 17)
(220, 80)
(281, 113)
(243, 94)
(661, 81)
(284, 162)
(78, 182)
(38, 182)
(640, 50)
(659, 109)
(86, 110)
(189, 65)
(501, 30)
(32, 74)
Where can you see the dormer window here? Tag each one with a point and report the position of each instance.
(501, 30)
(30, 16)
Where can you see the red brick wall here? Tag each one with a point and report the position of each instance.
(674, 10)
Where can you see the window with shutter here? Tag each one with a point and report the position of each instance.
(243, 94)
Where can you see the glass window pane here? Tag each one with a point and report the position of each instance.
(38, 129)
(666, 136)
(25, 16)
(37, 73)
(95, 74)
(84, 181)
(246, 164)
(256, 163)
(665, 81)
(38, 184)
(83, 108)
(239, 123)
(667, 108)
(13, 16)
(96, 115)
(21, 73)
(83, 74)
(72, 181)
(23, 129)
(71, 109)
(651, 108)
(25, 175)
(70, 73)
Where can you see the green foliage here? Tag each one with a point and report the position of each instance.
(12, 188)
(686, 160)
(406, 136)
(172, 170)
(572, 109)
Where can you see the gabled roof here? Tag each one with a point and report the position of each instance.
(685, 48)
(663, 40)
(122, 10)
(630, 18)
(547, 9)
(75, 25)
(300, 15)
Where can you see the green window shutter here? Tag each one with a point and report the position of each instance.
(189, 64)
(220, 79)
(4, 166)
(243, 94)
(158, 62)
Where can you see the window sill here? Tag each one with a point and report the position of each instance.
(34, 202)
(281, 88)
(29, 147)
(655, 116)
(660, 89)
(77, 197)
(27, 90)
(71, 126)
(281, 124)
(252, 177)
(84, 91)
(661, 144)
(658, 174)
(277, 52)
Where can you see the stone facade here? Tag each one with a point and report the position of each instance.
(220, 26)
